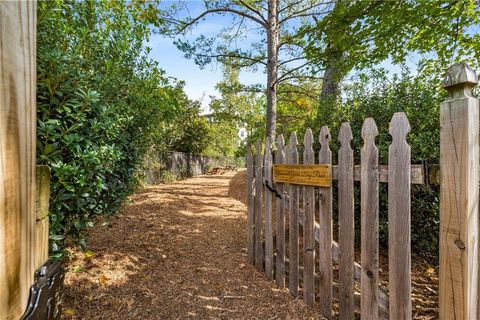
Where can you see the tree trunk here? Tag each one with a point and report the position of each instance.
(272, 68)
(332, 77)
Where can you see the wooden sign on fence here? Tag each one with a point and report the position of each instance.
(309, 175)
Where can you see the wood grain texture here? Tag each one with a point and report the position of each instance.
(250, 208)
(336, 254)
(459, 165)
(293, 212)
(17, 154)
(399, 239)
(383, 312)
(42, 207)
(326, 226)
(267, 172)
(258, 207)
(417, 173)
(309, 221)
(346, 224)
(280, 219)
(369, 221)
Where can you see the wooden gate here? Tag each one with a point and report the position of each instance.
(285, 193)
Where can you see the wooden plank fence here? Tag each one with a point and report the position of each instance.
(308, 208)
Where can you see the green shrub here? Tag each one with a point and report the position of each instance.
(375, 95)
(101, 105)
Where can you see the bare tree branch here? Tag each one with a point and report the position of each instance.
(299, 77)
(305, 11)
(220, 10)
(284, 62)
(259, 14)
(292, 70)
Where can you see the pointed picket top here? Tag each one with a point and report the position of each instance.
(280, 142)
(308, 154)
(268, 148)
(280, 152)
(369, 130)
(292, 153)
(293, 142)
(308, 139)
(345, 134)
(259, 146)
(325, 154)
(399, 126)
(324, 137)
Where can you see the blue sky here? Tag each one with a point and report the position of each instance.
(199, 83)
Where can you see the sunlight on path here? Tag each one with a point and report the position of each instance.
(177, 251)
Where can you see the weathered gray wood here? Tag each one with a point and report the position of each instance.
(399, 253)
(267, 171)
(382, 295)
(258, 207)
(417, 173)
(308, 223)
(346, 223)
(293, 212)
(326, 227)
(336, 255)
(459, 165)
(250, 208)
(280, 220)
(369, 221)
(382, 308)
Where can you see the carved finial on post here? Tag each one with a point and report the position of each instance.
(459, 170)
(459, 80)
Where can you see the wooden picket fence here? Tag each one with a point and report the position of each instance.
(311, 208)
(308, 257)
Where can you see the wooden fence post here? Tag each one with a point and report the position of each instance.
(17, 154)
(251, 212)
(42, 208)
(308, 226)
(459, 165)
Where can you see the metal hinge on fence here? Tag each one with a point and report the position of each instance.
(272, 189)
(45, 293)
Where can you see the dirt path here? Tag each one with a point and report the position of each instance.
(177, 251)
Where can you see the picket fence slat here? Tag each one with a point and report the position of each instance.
(399, 219)
(293, 216)
(336, 255)
(346, 222)
(250, 211)
(268, 210)
(369, 221)
(309, 220)
(258, 207)
(280, 220)
(271, 256)
(326, 236)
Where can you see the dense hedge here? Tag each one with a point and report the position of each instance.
(101, 105)
(378, 96)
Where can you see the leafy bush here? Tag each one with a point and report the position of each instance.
(101, 105)
(375, 95)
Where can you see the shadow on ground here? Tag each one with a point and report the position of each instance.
(177, 251)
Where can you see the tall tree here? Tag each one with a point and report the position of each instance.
(278, 49)
(358, 34)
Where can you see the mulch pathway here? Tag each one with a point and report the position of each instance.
(176, 251)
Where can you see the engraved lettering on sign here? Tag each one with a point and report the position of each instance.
(310, 175)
